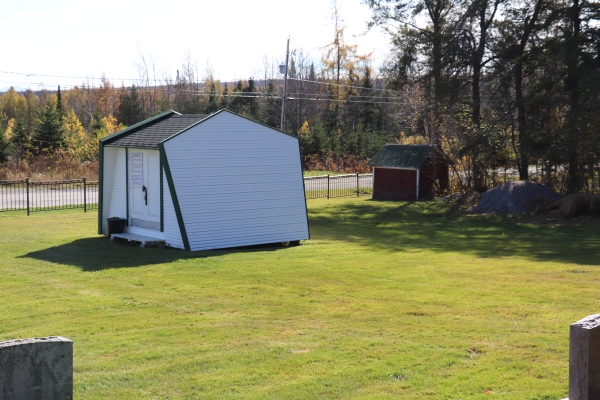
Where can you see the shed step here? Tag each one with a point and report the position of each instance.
(145, 241)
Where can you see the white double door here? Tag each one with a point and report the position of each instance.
(144, 188)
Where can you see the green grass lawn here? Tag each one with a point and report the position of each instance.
(321, 173)
(387, 300)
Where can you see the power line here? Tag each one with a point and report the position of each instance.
(262, 96)
(147, 80)
(316, 96)
(350, 96)
(270, 95)
(346, 86)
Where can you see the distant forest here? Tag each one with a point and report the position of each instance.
(496, 84)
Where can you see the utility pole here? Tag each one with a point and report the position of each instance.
(287, 56)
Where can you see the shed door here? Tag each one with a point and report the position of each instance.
(144, 189)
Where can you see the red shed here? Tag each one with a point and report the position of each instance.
(406, 172)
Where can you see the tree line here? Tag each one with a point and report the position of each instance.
(508, 83)
(336, 105)
(496, 84)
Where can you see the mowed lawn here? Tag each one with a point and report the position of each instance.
(387, 300)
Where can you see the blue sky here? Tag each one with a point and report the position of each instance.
(72, 40)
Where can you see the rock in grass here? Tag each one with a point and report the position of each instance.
(516, 198)
(576, 205)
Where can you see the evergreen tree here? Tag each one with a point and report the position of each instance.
(97, 125)
(368, 119)
(225, 98)
(213, 102)
(59, 106)
(251, 102)
(20, 140)
(239, 103)
(271, 107)
(3, 145)
(129, 111)
(47, 135)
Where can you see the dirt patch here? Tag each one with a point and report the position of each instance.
(461, 202)
(576, 205)
(516, 198)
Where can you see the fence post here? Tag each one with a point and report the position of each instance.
(27, 190)
(357, 185)
(328, 186)
(84, 197)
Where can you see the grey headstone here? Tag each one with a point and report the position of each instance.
(36, 369)
(584, 359)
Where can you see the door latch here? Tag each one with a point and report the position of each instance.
(145, 190)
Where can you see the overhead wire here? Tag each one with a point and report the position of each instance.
(315, 96)
(339, 84)
(146, 80)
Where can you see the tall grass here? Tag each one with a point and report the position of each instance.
(57, 166)
(344, 164)
(62, 165)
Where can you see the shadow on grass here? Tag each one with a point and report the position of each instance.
(95, 254)
(406, 226)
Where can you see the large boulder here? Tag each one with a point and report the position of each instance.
(516, 197)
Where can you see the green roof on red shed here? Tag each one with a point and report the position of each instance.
(409, 156)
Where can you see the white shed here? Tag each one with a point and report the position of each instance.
(202, 182)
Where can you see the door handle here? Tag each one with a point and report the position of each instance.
(145, 190)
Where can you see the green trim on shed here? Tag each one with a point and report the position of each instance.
(162, 207)
(165, 162)
(100, 186)
(127, 185)
(303, 189)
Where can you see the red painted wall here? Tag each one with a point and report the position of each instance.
(395, 184)
(401, 184)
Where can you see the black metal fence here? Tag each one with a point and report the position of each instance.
(79, 193)
(328, 186)
(50, 195)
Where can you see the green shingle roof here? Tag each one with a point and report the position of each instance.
(403, 156)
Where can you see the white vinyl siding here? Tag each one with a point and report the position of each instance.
(238, 183)
(114, 196)
(171, 226)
